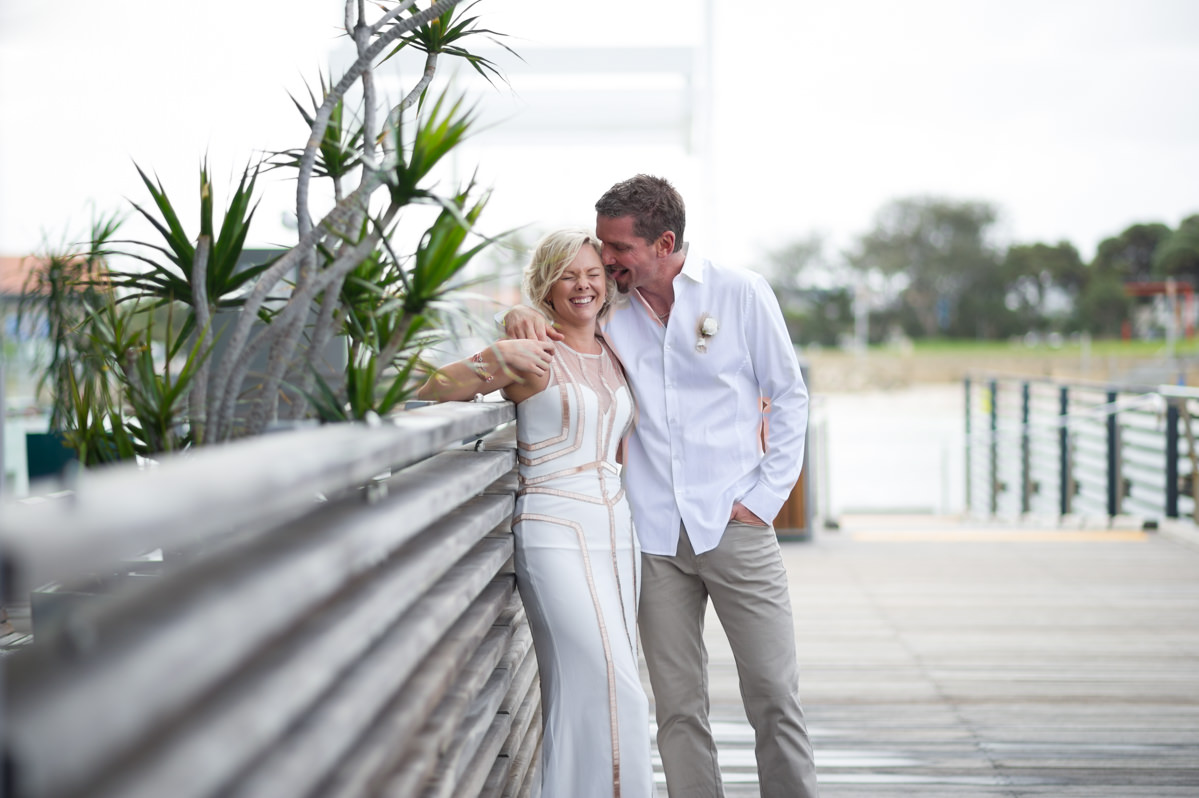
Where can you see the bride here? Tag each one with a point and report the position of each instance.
(577, 558)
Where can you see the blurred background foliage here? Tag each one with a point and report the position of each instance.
(933, 268)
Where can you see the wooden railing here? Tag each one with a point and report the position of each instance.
(333, 613)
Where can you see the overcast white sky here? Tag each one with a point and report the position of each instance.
(1076, 117)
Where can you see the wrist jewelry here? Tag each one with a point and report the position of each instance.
(480, 368)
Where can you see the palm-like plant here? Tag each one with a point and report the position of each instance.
(59, 293)
(341, 277)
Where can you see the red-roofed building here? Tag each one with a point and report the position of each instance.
(19, 352)
(14, 271)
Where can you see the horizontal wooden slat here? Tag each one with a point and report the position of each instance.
(423, 757)
(509, 686)
(309, 753)
(147, 640)
(529, 786)
(169, 670)
(523, 741)
(268, 479)
(314, 639)
(478, 739)
(223, 736)
(486, 754)
(377, 752)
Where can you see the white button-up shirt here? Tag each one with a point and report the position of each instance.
(697, 445)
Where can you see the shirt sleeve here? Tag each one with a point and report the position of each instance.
(779, 380)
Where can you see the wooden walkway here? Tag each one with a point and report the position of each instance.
(948, 659)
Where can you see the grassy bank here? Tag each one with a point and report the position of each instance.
(940, 361)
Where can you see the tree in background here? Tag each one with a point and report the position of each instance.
(929, 268)
(1105, 307)
(1178, 255)
(949, 267)
(816, 301)
(1043, 285)
(1129, 256)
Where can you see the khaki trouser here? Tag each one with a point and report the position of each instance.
(745, 578)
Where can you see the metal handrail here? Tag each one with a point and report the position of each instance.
(1128, 426)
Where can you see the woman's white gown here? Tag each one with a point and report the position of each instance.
(578, 568)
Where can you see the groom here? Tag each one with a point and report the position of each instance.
(704, 348)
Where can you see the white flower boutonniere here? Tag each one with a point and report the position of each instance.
(708, 326)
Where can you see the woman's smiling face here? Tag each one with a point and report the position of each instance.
(579, 293)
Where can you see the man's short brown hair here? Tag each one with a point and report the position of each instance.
(653, 203)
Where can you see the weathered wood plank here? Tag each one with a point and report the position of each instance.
(330, 606)
(224, 735)
(515, 705)
(478, 738)
(330, 732)
(421, 759)
(486, 759)
(278, 477)
(525, 759)
(146, 642)
(463, 769)
(524, 669)
(509, 771)
(378, 750)
(501, 772)
(223, 732)
(531, 784)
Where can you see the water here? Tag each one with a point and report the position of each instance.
(893, 451)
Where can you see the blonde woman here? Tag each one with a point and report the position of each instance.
(577, 559)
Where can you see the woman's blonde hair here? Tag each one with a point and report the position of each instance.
(553, 254)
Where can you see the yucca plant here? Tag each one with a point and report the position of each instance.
(214, 382)
(395, 310)
(96, 430)
(340, 150)
(152, 407)
(58, 293)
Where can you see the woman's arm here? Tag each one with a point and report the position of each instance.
(504, 363)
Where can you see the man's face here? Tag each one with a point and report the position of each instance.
(629, 258)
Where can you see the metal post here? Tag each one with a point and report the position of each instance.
(3, 410)
(968, 408)
(1113, 457)
(1172, 458)
(1063, 445)
(994, 393)
(1025, 466)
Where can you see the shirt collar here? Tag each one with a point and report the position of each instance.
(693, 266)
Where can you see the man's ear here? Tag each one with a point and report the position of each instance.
(665, 244)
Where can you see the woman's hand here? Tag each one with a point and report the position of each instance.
(524, 322)
(524, 356)
(504, 363)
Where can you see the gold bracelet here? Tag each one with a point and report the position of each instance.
(480, 368)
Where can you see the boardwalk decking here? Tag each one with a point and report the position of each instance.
(942, 659)
(950, 660)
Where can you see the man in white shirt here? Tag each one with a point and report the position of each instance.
(705, 348)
